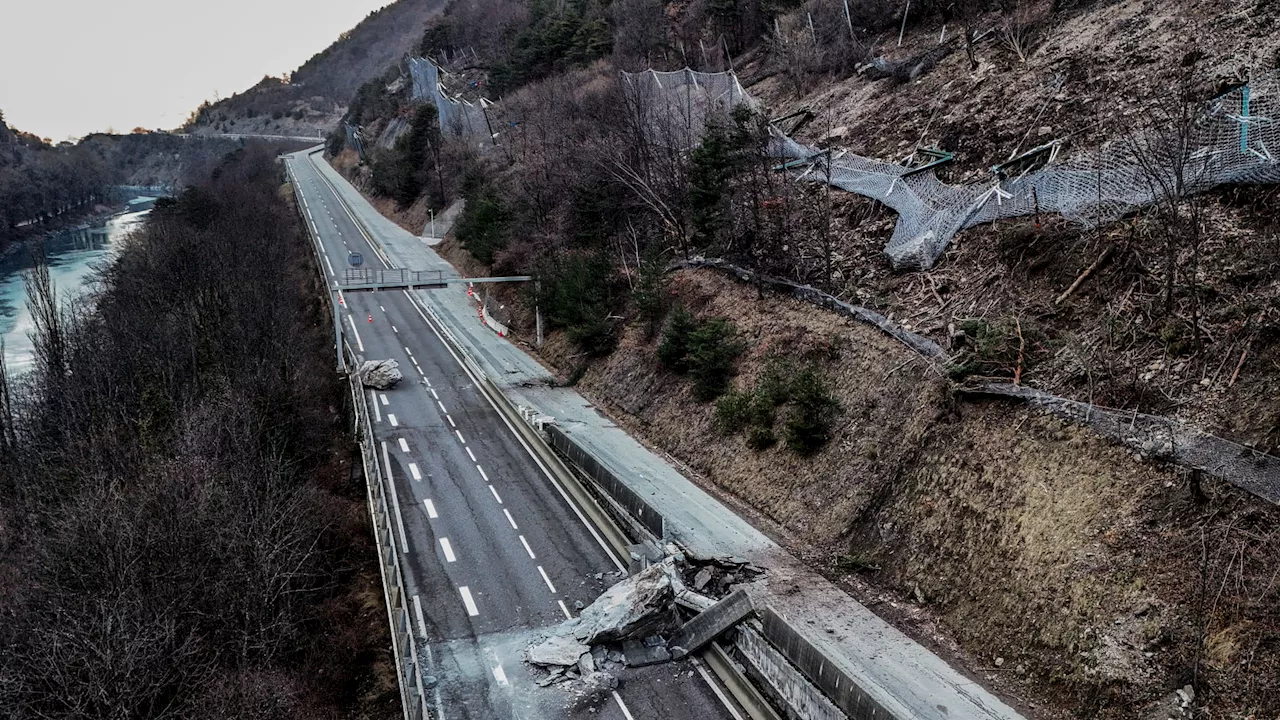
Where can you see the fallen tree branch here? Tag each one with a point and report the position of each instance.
(1085, 275)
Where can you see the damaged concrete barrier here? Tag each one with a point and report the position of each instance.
(708, 624)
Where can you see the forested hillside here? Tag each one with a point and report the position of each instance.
(181, 534)
(311, 100)
(39, 182)
(1104, 580)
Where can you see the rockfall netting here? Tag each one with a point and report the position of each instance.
(457, 116)
(1229, 140)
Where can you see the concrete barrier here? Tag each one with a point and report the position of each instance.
(708, 624)
(788, 690)
(832, 681)
(625, 497)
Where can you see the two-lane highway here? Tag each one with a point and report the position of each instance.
(494, 551)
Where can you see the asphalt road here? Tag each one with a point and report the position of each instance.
(493, 551)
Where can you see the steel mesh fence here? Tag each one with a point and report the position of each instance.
(457, 116)
(1227, 141)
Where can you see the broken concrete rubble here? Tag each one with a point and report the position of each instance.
(559, 649)
(379, 374)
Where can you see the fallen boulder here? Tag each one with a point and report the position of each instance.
(639, 606)
(559, 649)
(379, 374)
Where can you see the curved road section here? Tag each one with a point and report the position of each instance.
(494, 553)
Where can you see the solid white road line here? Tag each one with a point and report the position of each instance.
(377, 412)
(564, 610)
(466, 600)
(494, 490)
(528, 549)
(404, 445)
(352, 321)
(392, 419)
(625, 712)
(546, 579)
(384, 400)
(329, 264)
(431, 509)
(413, 470)
(702, 670)
(510, 519)
(395, 502)
(473, 455)
(482, 473)
(422, 624)
(500, 675)
(448, 550)
(459, 433)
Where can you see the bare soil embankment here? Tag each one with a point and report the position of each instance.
(1063, 569)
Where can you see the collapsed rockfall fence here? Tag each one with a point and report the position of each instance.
(1227, 141)
(1156, 437)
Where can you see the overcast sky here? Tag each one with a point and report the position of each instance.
(71, 67)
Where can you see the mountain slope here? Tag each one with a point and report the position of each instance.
(315, 96)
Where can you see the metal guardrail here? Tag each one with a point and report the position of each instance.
(404, 644)
(392, 276)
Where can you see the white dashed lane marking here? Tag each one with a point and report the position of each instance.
(404, 445)
(465, 591)
(546, 579)
(413, 470)
(510, 519)
(527, 548)
(431, 509)
(497, 497)
(448, 550)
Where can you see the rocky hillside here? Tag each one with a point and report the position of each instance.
(315, 96)
(1081, 577)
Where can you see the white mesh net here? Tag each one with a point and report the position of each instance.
(457, 116)
(1228, 141)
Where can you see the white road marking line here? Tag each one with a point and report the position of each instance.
(434, 395)
(404, 445)
(448, 550)
(422, 624)
(406, 349)
(413, 360)
(546, 579)
(625, 712)
(564, 609)
(452, 424)
(466, 600)
(379, 307)
(528, 549)
(392, 419)
(483, 474)
(441, 405)
(395, 502)
(500, 675)
(377, 412)
(329, 264)
(473, 455)
(415, 367)
(545, 471)
(510, 519)
(341, 299)
(393, 329)
(384, 399)
(413, 470)
(716, 689)
(497, 497)
(431, 509)
(359, 344)
(459, 434)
